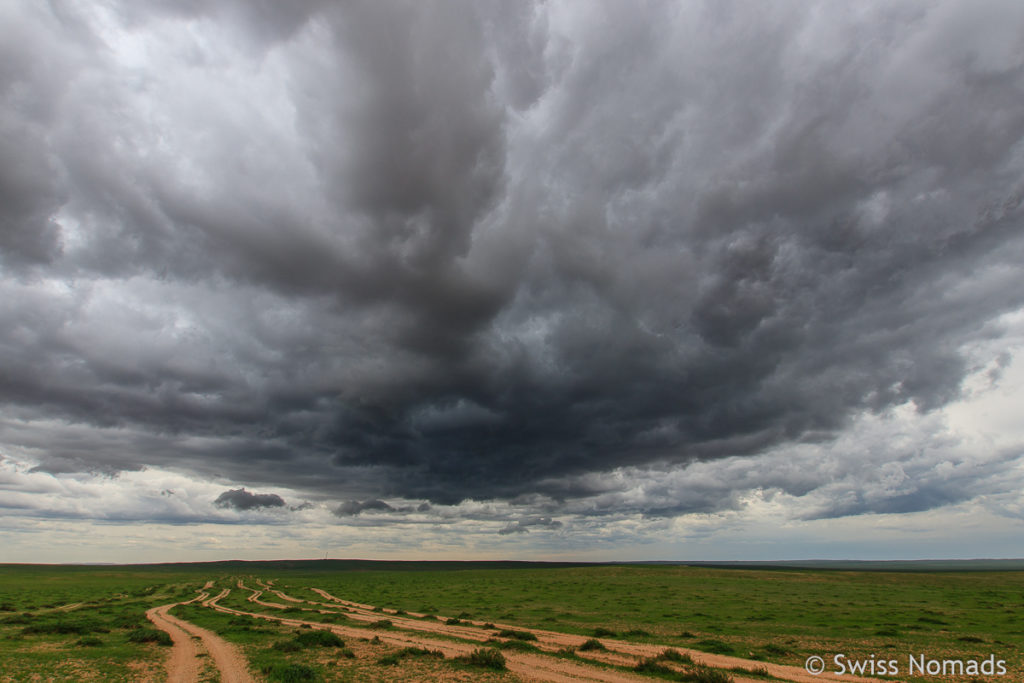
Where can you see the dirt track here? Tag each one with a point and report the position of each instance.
(531, 667)
(184, 664)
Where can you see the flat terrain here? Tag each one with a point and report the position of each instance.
(356, 621)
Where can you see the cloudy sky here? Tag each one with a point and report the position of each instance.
(554, 280)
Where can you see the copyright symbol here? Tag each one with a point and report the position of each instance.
(814, 665)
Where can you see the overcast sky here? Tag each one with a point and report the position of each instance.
(453, 279)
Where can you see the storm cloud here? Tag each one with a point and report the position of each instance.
(448, 251)
(240, 499)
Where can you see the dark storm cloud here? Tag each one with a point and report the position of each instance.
(240, 499)
(447, 250)
(354, 507)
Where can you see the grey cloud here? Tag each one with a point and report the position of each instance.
(475, 251)
(240, 499)
(523, 526)
(354, 507)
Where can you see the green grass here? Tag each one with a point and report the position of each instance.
(777, 615)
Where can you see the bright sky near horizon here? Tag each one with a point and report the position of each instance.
(492, 280)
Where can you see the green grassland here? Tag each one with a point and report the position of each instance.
(88, 623)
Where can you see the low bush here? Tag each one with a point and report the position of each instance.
(600, 632)
(704, 674)
(150, 635)
(382, 623)
(319, 639)
(592, 644)
(517, 645)
(671, 655)
(652, 665)
(517, 635)
(287, 646)
(485, 658)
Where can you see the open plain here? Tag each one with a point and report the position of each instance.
(379, 621)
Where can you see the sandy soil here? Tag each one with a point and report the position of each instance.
(184, 663)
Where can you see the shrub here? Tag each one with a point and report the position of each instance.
(592, 644)
(452, 621)
(651, 665)
(704, 674)
(89, 641)
(486, 658)
(676, 656)
(518, 645)
(773, 649)
(319, 639)
(600, 632)
(389, 660)
(128, 621)
(287, 646)
(638, 633)
(150, 635)
(518, 635)
(347, 653)
(291, 673)
(382, 623)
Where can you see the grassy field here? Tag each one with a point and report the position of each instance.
(88, 623)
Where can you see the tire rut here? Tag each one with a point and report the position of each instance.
(184, 665)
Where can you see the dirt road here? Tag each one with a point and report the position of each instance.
(184, 664)
(619, 652)
(527, 666)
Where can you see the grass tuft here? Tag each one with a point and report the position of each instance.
(592, 644)
(517, 635)
(309, 639)
(714, 646)
(672, 655)
(291, 673)
(150, 635)
(485, 658)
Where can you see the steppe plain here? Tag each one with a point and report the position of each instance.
(339, 620)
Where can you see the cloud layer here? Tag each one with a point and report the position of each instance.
(422, 253)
